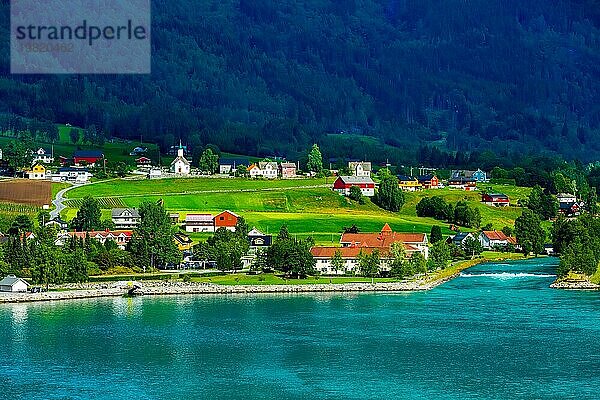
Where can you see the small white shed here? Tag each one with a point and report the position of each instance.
(13, 284)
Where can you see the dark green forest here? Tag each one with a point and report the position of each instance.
(376, 79)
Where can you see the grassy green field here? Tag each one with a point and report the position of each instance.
(498, 217)
(306, 210)
(164, 187)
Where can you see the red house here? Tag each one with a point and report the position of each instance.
(227, 220)
(495, 199)
(429, 181)
(343, 184)
(89, 157)
(143, 161)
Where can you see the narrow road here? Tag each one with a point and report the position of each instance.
(58, 202)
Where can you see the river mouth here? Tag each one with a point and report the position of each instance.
(496, 332)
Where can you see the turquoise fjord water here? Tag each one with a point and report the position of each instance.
(497, 332)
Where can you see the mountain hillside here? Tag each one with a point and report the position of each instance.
(364, 78)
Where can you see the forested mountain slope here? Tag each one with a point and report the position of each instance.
(263, 77)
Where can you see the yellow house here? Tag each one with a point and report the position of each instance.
(409, 183)
(37, 172)
(183, 242)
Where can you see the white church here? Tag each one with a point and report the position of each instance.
(180, 165)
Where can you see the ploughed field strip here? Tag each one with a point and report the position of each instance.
(35, 193)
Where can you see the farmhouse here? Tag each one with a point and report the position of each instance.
(13, 284)
(227, 220)
(72, 174)
(408, 183)
(180, 165)
(572, 209)
(477, 176)
(468, 184)
(566, 198)
(87, 157)
(268, 169)
(258, 240)
(38, 171)
(343, 184)
(495, 199)
(154, 173)
(199, 223)
(120, 237)
(429, 181)
(324, 255)
(138, 151)
(143, 162)
(183, 242)
(125, 218)
(460, 238)
(58, 223)
(493, 239)
(287, 170)
(360, 168)
(414, 242)
(43, 155)
(229, 165)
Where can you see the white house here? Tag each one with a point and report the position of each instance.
(566, 198)
(120, 237)
(72, 174)
(492, 239)
(154, 173)
(199, 223)
(125, 218)
(360, 168)
(43, 155)
(264, 169)
(13, 284)
(180, 165)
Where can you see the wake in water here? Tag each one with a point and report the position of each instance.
(507, 275)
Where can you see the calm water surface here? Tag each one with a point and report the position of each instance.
(497, 332)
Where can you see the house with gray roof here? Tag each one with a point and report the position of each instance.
(13, 284)
(125, 218)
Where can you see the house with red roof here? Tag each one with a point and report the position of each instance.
(494, 239)
(87, 157)
(120, 237)
(414, 242)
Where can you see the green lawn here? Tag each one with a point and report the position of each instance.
(57, 187)
(307, 211)
(164, 187)
(498, 217)
(271, 279)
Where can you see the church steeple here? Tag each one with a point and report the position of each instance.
(180, 149)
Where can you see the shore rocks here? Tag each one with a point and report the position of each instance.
(569, 284)
(155, 288)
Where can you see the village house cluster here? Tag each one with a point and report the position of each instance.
(73, 170)
(352, 245)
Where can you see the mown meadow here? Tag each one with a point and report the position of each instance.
(308, 207)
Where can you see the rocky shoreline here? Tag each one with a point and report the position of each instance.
(573, 284)
(159, 288)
